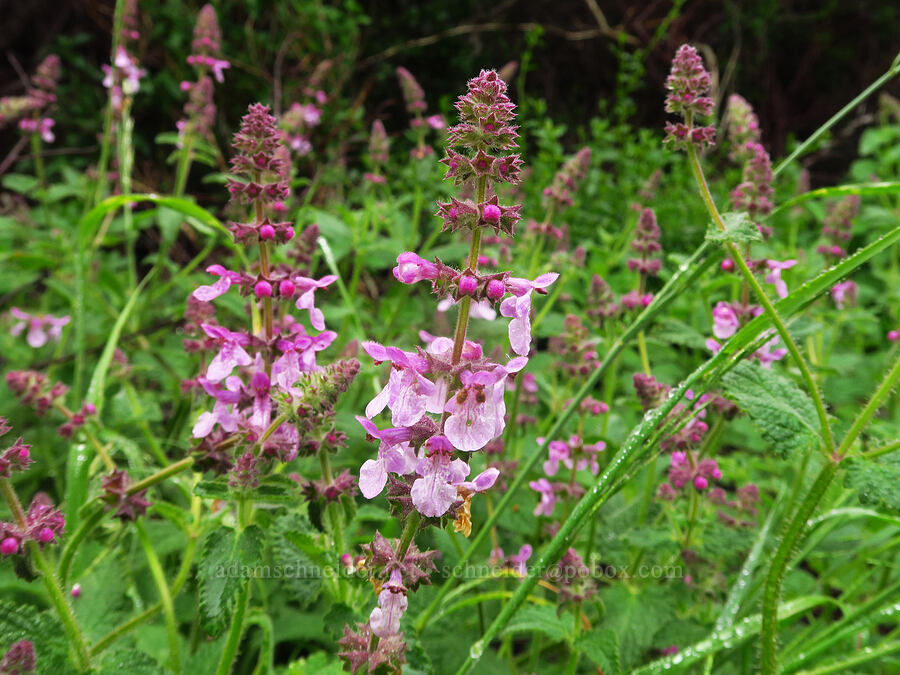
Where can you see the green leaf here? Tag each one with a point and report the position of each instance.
(738, 228)
(98, 379)
(199, 217)
(296, 550)
(271, 490)
(17, 182)
(884, 188)
(783, 413)
(24, 622)
(227, 561)
(636, 616)
(542, 619)
(877, 483)
(601, 647)
(117, 660)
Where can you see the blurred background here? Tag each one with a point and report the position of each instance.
(796, 62)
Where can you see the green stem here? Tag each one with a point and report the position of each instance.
(883, 450)
(161, 475)
(840, 114)
(148, 614)
(574, 653)
(229, 654)
(775, 576)
(332, 510)
(165, 596)
(68, 554)
(409, 532)
(39, 164)
(883, 391)
(812, 389)
(642, 348)
(184, 166)
(62, 607)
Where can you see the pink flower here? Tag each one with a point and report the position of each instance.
(442, 478)
(408, 393)
(844, 294)
(37, 335)
(548, 497)
(392, 603)
(725, 321)
(307, 288)
(394, 455)
(518, 308)
(226, 279)
(775, 276)
(231, 353)
(411, 268)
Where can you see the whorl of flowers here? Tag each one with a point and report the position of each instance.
(277, 370)
(755, 193)
(296, 124)
(206, 45)
(19, 659)
(414, 97)
(601, 300)
(646, 243)
(558, 194)
(123, 76)
(688, 84)
(446, 400)
(32, 109)
(379, 147)
(838, 227)
(199, 109)
(743, 129)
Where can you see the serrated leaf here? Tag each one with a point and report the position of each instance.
(877, 483)
(601, 646)
(117, 660)
(738, 228)
(24, 622)
(226, 562)
(635, 617)
(780, 410)
(295, 548)
(542, 619)
(271, 490)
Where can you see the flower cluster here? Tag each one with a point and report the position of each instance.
(379, 147)
(296, 124)
(414, 97)
(38, 102)
(199, 109)
(41, 523)
(123, 76)
(646, 244)
(754, 194)
(42, 328)
(19, 659)
(838, 227)
(280, 402)
(446, 401)
(688, 85)
(127, 504)
(743, 129)
(558, 194)
(577, 351)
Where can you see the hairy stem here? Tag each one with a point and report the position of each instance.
(766, 303)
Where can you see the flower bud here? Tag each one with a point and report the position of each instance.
(9, 546)
(288, 233)
(76, 591)
(46, 535)
(701, 483)
(492, 214)
(467, 285)
(286, 288)
(496, 289)
(266, 232)
(727, 265)
(894, 335)
(263, 289)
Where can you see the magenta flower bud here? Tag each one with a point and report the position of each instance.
(279, 207)
(496, 289)
(701, 483)
(90, 409)
(266, 232)
(288, 233)
(468, 285)
(46, 535)
(347, 560)
(286, 288)
(727, 265)
(9, 546)
(76, 591)
(263, 289)
(492, 214)
(894, 335)
(185, 85)
(647, 299)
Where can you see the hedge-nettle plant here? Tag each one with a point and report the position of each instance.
(446, 401)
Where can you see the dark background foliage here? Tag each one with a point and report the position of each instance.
(797, 62)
